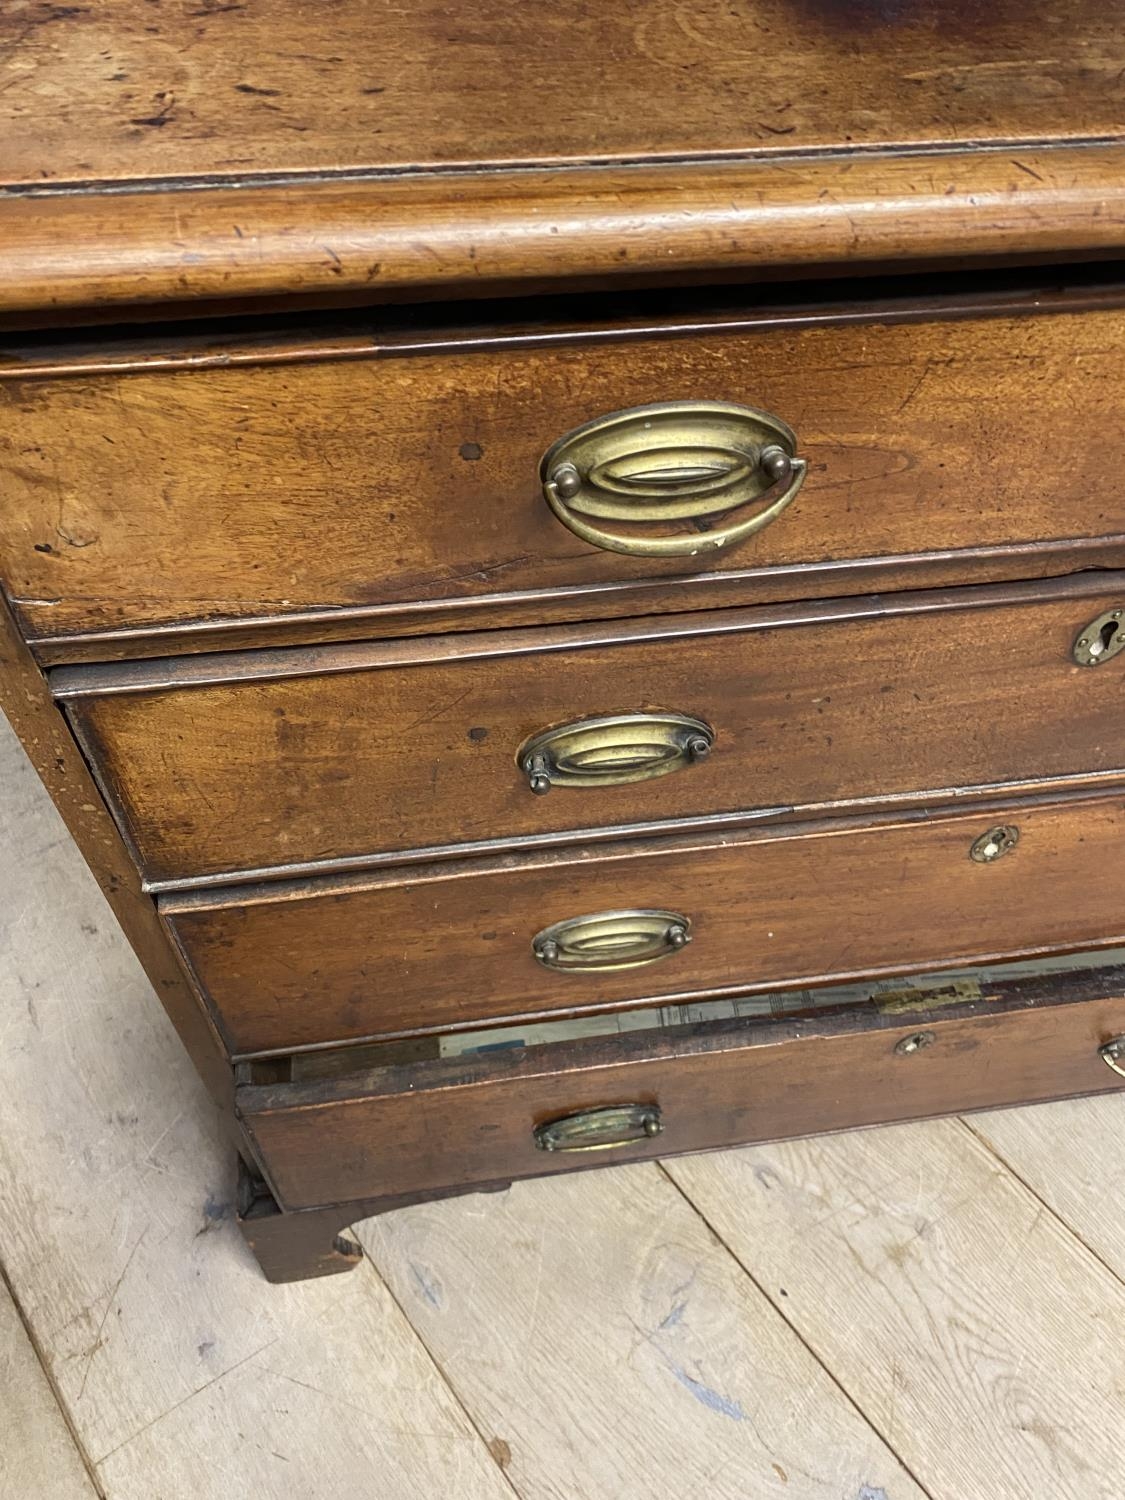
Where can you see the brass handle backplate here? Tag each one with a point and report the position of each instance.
(613, 750)
(682, 461)
(1112, 1053)
(611, 940)
(600, 1129)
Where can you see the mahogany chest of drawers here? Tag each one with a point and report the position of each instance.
(567, 570)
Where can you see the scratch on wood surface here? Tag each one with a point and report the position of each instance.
(97, 1344)
(150, 1150)
(191, 1395)
(335, 1399)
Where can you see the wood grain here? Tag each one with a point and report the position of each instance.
(37, 1453)
(303, 758)
(1059, 1154)
(498, 233)
(739, 138)
(644, 1338)
(471, 1119)
(329, 962)
(956, 1296)
(203, 90)
(369, 485)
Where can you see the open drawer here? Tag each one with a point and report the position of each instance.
(427, 1117)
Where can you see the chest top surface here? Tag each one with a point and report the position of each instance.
(391, 144)
(131, 89)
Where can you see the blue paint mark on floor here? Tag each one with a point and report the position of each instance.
(426, 1285)
(713, 1401)
(674, 1317)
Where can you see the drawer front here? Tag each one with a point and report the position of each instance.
(438, 1125)
(301, 486)
(274, 759)
(338, 961)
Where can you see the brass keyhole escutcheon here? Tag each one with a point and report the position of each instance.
(994, 844)
(916, 1043)
(1102, 639)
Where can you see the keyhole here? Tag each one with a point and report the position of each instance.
(1105, 637)
(1101, 640)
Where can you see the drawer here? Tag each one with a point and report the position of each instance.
(291, 966)
(295, 760)
(365, 1132)
(392, 480)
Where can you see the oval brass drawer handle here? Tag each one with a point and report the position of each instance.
(1112, 1053)
(613, 750)
(611, 940)
(691, 461)
(600, 1129)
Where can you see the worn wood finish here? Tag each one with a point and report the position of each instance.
(333, 961)
(712, 156)
(370, 488)
(306, 758)
(392, 1130)
(372, 482)
(210, 91)
(89, 255)
(611, 601)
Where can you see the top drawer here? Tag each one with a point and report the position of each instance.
(311, 487)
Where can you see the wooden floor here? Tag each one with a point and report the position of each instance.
(927, 1310)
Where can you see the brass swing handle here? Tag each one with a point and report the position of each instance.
(1112, 1053)
(607, 940)
(614, 750)
(692, 461)
(600, 1129)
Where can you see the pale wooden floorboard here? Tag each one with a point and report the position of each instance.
(37, 1454)
(1070, 1155)
(972, 1329)
(185, 1375)
(613, 1351)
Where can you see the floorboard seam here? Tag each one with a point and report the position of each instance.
(442, 1376)
(1069, 1228)
(799, 1336)
(52, 1385)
